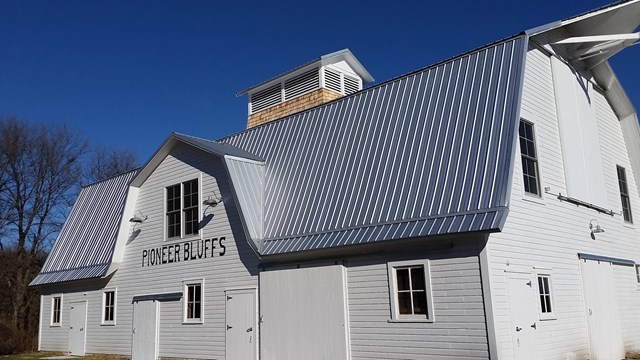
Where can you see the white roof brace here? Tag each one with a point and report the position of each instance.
(607, 45)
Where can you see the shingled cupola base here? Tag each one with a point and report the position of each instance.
(301, 103)
(319, 81)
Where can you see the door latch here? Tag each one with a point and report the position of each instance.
(250, 329)
(518, 328)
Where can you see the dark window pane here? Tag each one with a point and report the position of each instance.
(548, 302)
(420, 303)
(402, 276)
(404, 302)
(417, 278)
(543, 304)
(196, 314)
(540, 285)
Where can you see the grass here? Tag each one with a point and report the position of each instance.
(41, 355)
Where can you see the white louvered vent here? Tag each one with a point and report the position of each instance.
(351, 85)
(266, 98)
(302, 84)
(332, 80)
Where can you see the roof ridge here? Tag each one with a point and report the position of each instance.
(371, 88)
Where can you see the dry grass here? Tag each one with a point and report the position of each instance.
(41, 355)
(633, 356)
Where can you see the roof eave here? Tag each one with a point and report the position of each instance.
(175, 138)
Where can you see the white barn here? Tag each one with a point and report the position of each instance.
(484, 207)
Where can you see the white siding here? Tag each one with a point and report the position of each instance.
(546, 233)
(459, 330)
(236, 269)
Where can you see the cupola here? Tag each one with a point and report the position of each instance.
(318, 81)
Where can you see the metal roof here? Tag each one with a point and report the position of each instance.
(85, 244)
(433, 145)
(212, 147)
(247, 181)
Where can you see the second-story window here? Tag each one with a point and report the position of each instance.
(182, 209)
(624, 194)
(530, 174)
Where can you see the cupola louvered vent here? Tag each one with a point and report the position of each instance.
(265, 98)
(317, 82)
(332, 80)
(302, 84)
(351, 85)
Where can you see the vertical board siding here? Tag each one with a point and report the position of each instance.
(400, 151)
(459, 330)
(546, 234)
(237, 268)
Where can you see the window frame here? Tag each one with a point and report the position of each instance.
(185, 301)
(104, 306)
(198, 208)
(637, 267)
(53, 309)
(624, 195)
(393, 291)
(545, 274)
(536, 160)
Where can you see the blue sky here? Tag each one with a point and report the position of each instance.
(127, 73)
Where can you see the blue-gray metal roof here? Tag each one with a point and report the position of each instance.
(211, 147)
(247, 180)
(425, 154)
(85, 244)
(216, 148)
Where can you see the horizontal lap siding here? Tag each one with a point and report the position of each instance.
(236, 269)
(459, 329)
(547, 233)
(627, 287)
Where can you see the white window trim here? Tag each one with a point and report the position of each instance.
(545, 273)
(53, 297)
(115, 306)
(393, 286)
(185, 299)
(538, 199)
(180, 182)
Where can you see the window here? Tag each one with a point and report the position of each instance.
(56, 310)
(109, 307)
(182, 209)
(638, 274)
(544, 295)
(624, 194)
(193, 301)
(410, 291)
(530, 174)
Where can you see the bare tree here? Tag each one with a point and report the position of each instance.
(41, 168)
(104, 163)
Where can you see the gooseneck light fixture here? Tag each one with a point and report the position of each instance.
(138, 218)
(595, 228)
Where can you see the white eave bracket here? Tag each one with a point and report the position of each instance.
(599, 45)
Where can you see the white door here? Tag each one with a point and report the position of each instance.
(241, 334)
(145, 330)
(523, 313)
(77, 327)
(303, 314)
(601, 310)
